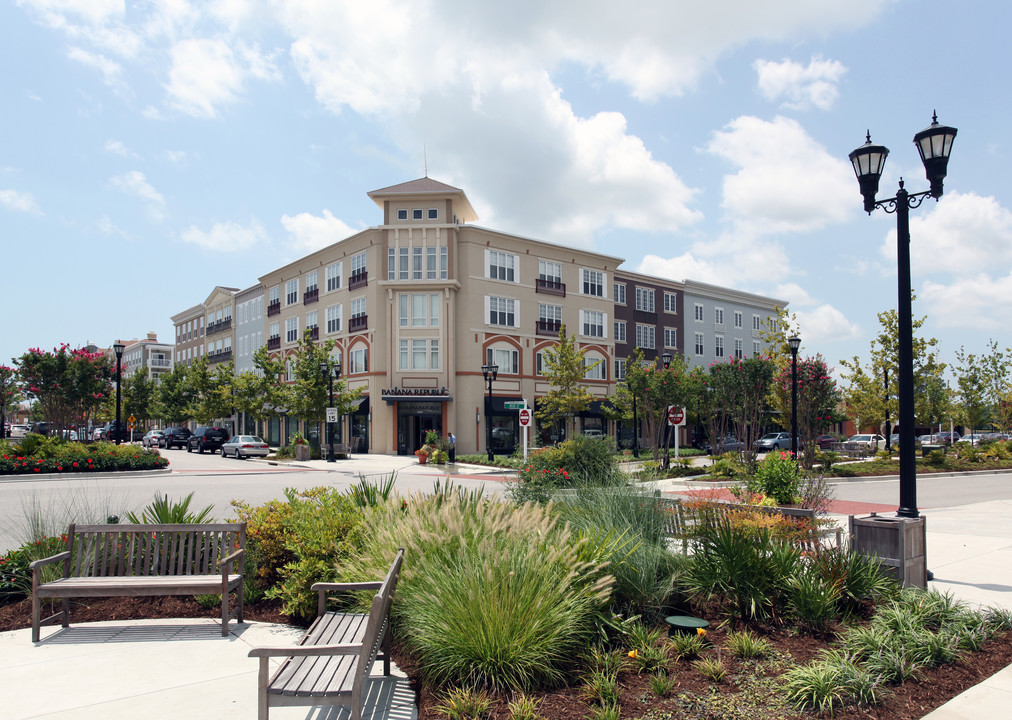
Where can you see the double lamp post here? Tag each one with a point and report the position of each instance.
(489, 372)
(330, 372)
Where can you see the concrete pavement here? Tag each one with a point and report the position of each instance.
(184, 668)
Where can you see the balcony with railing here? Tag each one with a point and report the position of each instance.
(220, 356)
(159, 363)
(550, 287)
(274, 342)
(358, 280)
(220, 326)
(314, 332)
(549, 328)
(311, 296)
(273, 308)
(358, 323)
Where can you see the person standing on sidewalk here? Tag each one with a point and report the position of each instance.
(453, 448)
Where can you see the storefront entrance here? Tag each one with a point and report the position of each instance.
(414, 420)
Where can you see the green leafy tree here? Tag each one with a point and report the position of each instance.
(999, 391)
(174, 396)
(67, 385)
(565, 370)
(210, 390)
(139, 395)
(9, 396)
(661, 388)
(972, 410)
(746, 387)
(271, 394)
(308, 400)
(774, 335)
(818, 397)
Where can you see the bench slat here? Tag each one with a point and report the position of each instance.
(307, 676)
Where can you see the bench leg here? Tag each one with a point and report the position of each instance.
(66, 612)
(240, 591)
(36, 617)
(224, 614)
(263, 707)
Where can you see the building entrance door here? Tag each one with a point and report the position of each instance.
(414, 420)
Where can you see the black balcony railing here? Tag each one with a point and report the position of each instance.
(274, 342)
(358, 280)
(314, 332)
(220, 356)
(358, 323)
(311, 296)
(550, 287)
(548, 327)
(274, 308)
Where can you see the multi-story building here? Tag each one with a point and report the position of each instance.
(218, 331)
(722, 323)
(189, 326)
(149, 356)
(415, 306)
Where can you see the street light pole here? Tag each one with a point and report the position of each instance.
(934, 145)
(666, 359)
(118, 349)
(489, 372)
(794, 343)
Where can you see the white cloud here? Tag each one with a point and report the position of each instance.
(976, 302)
(17, 201)
(825, 324)
(227, 236)
(312, 232)
(111, 70)
(176, 157)
(107, 227)
(118, 148)
(796, 294)
(134, 183)
(209, 73)
(787, 182)
(797, 86)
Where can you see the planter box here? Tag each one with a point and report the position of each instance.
(899, 542)
(302, 453)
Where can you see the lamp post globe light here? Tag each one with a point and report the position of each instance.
(934, 144)
(666, 359)
(489, 372)
(118, 349)
(794, 343)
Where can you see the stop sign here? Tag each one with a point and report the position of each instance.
(676, 415)
(525, 417)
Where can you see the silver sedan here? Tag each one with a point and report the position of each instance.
(243, 446)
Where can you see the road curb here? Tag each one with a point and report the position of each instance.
(35, 477)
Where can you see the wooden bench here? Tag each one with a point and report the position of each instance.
(340, 451)
(139, 560)
(334, 659)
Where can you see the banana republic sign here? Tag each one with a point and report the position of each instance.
(392, 395)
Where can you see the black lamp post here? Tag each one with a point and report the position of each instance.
(331, 373)
(794, 343)
(666, 359)
(636, 427)
(489, 372)
(934, 144)
(118, 349)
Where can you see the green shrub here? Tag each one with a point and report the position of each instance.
(16, 578)
(465, 704)
(662, 684)
(491, 595)
(746, 645)
(712, 668)
(829, 683)
(600, 689)
(777, 476)
(54, 456)
(936, 458)
(163, 511)
(580, 462)
(861, 578)
(687, 646)
(524, 707)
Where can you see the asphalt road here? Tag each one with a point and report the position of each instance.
(214, 481)
(933, 491)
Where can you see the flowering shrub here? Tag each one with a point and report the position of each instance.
(15, 577)
(777, 476)
(76, 458)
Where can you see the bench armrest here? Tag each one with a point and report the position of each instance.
(306, 650)
(333, 587)
(226, 562)
(65, 555)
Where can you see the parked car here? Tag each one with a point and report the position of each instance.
(871, 441)
(152, 439)
(825, 442)
(945, 438)
(42, 428)
(775, 441)
(112, 431)
(175, 437)
(925, 439)
(593, 432)
(726, 444)
(206, 438)
(19, 431)
(244, 446)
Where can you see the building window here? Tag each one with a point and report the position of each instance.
(311, 281)
(358, 307)
(737, 320)
(416, 263)
(619, 290)
(444, 262)
(334, 319)
(595, 368)
(430, 263)
(507, 359)
(292, 292)
(644, 299)
(418, 310)
(718, 316)
(549, 271)
(671, 338)
(402, 265)
(739, 348)
(620, 370)
(620, 331)
(549, 313)
(645, 336)
(501, 266)
(699, 344)
(416, 214)
(290, 370)
(334, 277)
(592, 282)
(275, 330)
(501, 311)
(419, 354)
(670, 303)
(358, 265)
(756, 351)
(291, 329)
(592, 323)
(433, 214)
(539, 363)
(358, 360)
(402, 214)
(718, 346)
(311, 319)
(698, 312)
(755, 323)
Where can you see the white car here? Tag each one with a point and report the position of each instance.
(868, 442)
(593, 432)
(18, 431)
(244, 446)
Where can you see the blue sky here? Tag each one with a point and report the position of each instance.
(150, 151)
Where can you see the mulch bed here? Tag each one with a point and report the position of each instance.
(907, 702)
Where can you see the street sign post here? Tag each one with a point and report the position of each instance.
(525, 418)
(331, 415)
(515, 404)
(676, 417)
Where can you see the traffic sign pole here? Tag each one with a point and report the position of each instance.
(525, 423)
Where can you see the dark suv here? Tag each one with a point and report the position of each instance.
(175, 437)
(207, 438)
